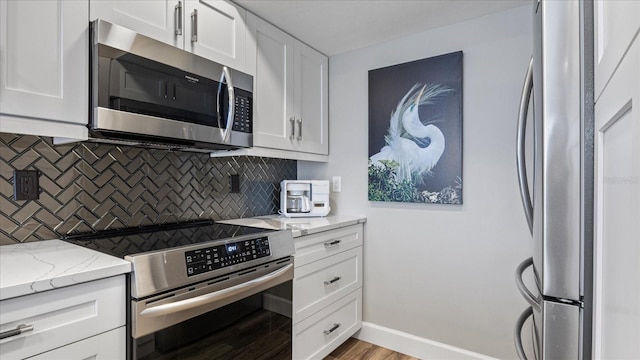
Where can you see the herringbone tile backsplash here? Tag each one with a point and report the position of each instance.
(90, 186)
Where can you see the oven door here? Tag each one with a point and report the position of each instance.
(246, 315)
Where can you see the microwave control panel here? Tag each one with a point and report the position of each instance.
(217, 257)
(243, 109)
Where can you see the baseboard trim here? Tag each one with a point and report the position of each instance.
(413, 345)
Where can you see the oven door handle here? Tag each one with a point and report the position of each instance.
(197, 301)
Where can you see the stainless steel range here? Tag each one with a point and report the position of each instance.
(204, 290)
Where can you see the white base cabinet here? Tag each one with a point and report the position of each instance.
(318, 335)
(44, 68)
(107, 346)
(67, 322)
(327, 291)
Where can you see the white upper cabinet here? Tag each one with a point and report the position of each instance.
(213, 29)
(44, 68)
(161, 20)
(291, 91)
(616, 25)
(216, 30)
(311, 105)
(273, 84)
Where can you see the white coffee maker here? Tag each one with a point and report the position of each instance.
(304, 198)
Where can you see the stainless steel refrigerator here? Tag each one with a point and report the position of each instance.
(559, 211)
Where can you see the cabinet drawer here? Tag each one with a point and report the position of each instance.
(321, 333)
(317, 246)
(322, 282)
(108, 346)
(62, 316)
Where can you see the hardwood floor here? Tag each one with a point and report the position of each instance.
(354, 349)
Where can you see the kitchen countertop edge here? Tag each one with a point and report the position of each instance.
(298, 226)
(39, 266)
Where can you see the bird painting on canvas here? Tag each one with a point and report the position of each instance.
(415, 131)
(412, 149)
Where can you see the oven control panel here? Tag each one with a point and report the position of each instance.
(217, 257)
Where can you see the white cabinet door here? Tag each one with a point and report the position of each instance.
(617, 23)
(62, 316)
(311, 99)
(111, 345)
(617, 240)
(44, 67)
(273, 85)
(216, 30)
(160, 20)
(213, 29)
(318, 335)
(290, 91)
(321, 283)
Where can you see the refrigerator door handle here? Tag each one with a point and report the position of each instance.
(533, 300)
(527, 90)
(517, 334)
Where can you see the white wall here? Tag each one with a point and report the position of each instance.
(439, 272)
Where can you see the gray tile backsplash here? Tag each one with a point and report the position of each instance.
(90, 186)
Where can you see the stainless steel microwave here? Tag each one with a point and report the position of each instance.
(144, 91)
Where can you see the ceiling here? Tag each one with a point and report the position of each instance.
(337, 26)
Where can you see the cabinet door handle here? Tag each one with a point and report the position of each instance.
(332, 243)
(329, 282)
(299, 129)
(194, 25)
(177, 18)
(333, 328)
(20, 329)
(292, 120)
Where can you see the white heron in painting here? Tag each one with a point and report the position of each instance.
(406, 131)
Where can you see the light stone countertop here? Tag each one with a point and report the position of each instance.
(45, 265)
(299, 226)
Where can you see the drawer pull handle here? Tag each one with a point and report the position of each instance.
(330, 244)
(20, 329)
(329, 282)
(334, 328)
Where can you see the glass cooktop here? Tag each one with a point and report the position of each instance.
(130, 241)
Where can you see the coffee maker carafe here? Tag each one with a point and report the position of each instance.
(298, 202)
(299, 198)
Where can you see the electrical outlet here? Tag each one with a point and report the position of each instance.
(336, 184)
(25, 185)
(235, 183)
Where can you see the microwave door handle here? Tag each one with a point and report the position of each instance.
(226, 75)
(517, 336)
(527, 90)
